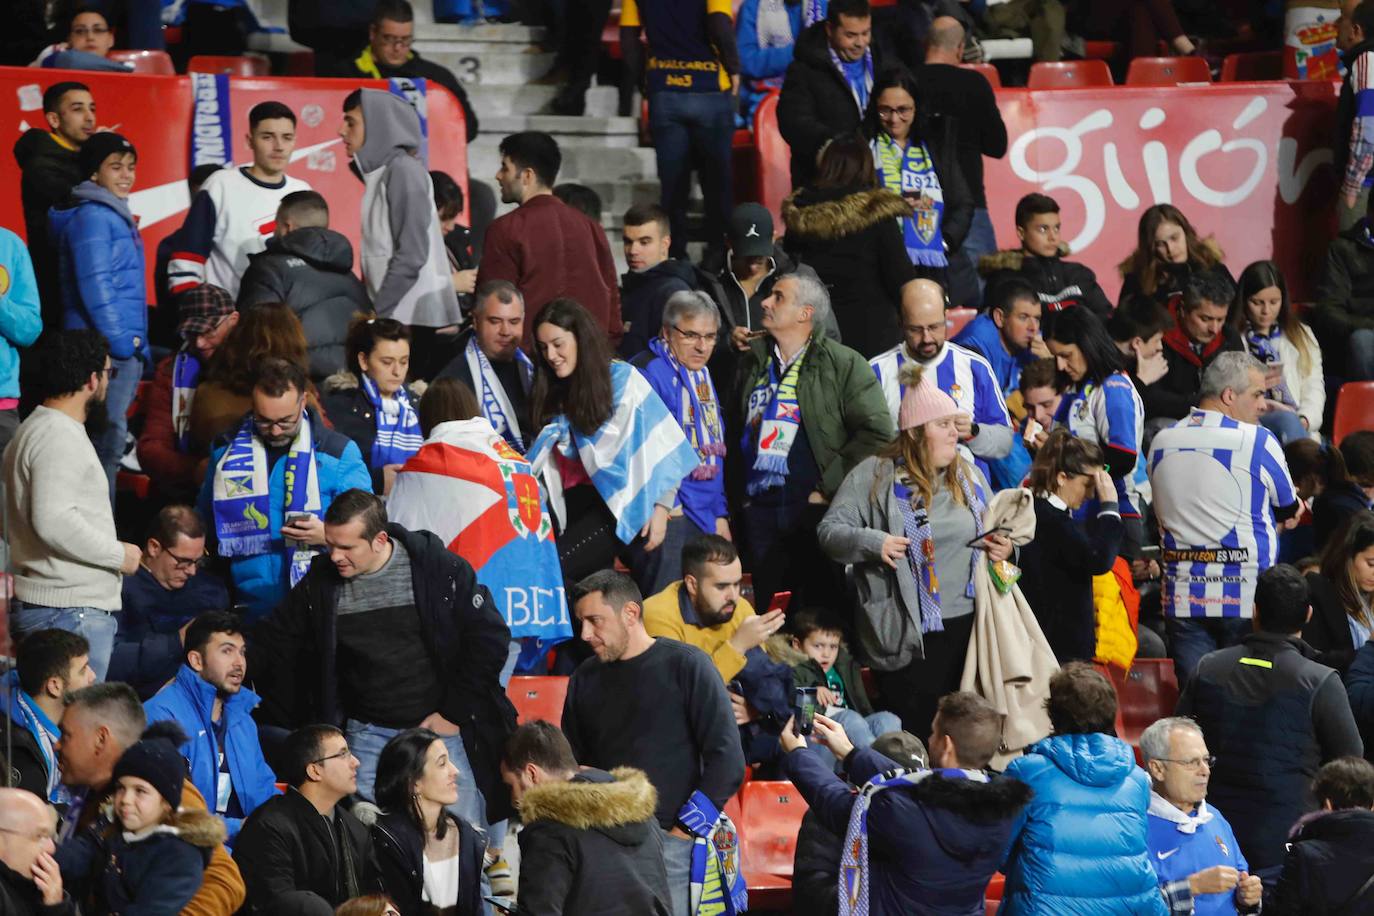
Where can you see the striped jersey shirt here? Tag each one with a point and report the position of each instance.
(1217, 482)
(1113, 416)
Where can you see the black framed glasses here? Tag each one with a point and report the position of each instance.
(186, 564)
(341, 755)
(693, 337)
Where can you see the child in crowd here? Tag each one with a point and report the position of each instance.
(833, 672)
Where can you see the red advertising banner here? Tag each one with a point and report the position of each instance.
(155, 113)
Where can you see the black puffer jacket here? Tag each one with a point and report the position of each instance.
(642, 297)
(595, 844)
(310, 270)
(400, 849)
(50, 171)
(353, 415)
(1330, 858)
(19, 897)
(853, 241)
(1058, 283)
(1345, 295)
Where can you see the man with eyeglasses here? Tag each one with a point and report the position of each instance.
(1200, 865)
(1272, 716)
(675, 366)
(208, 700)
(169, 590)
(90, 39)
(30, 882)
(301, 851)
(270, 482)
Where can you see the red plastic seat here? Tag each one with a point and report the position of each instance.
(1069, 74)
(1100, 50)
(955, 319)
(1147, 693)
(1252, 65)
(1167, 71)
(771, 815)
(538, 698)
(988, 71)
(774, 160)
(144, 61)
(249, 64)
(1354, 409)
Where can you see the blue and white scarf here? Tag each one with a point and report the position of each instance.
(698, 412)
(1264, 347)
(910, 173)
(241, 494)
(398, 428)
(774, 420)
(212, 140)
(185, 377)
(854, 877)
(496, 405)
(24, 713)
(858, 78)
(920, 551)
(717, 885)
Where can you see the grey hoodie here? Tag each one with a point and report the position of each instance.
(403, 258)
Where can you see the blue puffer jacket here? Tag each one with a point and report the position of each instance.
(261, 582)
(189, 701)
(1081, 848)
(20, 321)
(100, 258)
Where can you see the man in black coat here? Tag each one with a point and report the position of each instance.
(588, 835)
(388, 631)
(300, 849)
(1199, 336)
(309, 266)
(826, 88)
(1329, 866)
(30, 882)
(652, 278)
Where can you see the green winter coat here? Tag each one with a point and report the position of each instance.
(809, 674)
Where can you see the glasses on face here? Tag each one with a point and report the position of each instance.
(900, 111)
(699, 339)
(186, 564)
(284, 424)
(90, 31)
(396, 41)
(1193, 763)
(341, 755)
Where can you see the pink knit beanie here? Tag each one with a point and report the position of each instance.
(922, 400)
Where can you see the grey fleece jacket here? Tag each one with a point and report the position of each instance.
(403, 256)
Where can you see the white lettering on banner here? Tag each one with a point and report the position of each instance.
(207, 126)
(526, 601)
(1154, 157)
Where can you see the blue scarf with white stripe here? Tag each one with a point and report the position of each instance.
(398, 428)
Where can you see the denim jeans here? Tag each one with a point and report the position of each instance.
(694, 130)
(1285, 424)
(99, 627)
(366, 742)
(1190, 638)
(677, 862)
(120, 394)
(861, 730)
(1360, 365)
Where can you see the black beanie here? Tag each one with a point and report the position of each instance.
(157, 761)
(95, 150)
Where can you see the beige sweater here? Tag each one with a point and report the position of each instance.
(58, 520)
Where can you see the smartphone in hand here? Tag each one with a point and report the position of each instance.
(804, 709)
(780, 602)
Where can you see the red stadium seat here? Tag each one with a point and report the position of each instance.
(955, 319)
(988, 71)
(1252, 65)
(771, 814)
(1354, 409)
(249, 64)
(1069, 74)
(159, 62)
(1100, 50)
(538, 697)
(1167, 71)
(1148, 692)
(774, 160)
(138, 484)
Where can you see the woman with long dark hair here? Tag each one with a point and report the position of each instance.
(846, 228)
(1100, 404)
(1168, 251)
(1269, 325)
(610, 465)
(916, 155)
(1341, 594)
(430, 861)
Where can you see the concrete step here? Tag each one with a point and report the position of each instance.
(494, 100)
(569, 132)
(480, 68)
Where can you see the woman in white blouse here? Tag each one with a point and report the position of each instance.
(1273, 334)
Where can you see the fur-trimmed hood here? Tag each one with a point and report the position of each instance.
(832, 214)
(1010, 259)
(953, 806)
(199, 828)
(619, 804)
(346, 380)
(779, 648)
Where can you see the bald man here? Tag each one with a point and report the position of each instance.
(30, 881)
(984, 425)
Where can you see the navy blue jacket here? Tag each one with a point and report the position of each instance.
(642, 297)
(147, 651)
(100, 260)
(933, 846)
(188, 700)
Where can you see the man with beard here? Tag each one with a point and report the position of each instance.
(66, 557)
(656, 705)
(208, 701)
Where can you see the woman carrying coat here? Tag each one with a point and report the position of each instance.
(910, 520)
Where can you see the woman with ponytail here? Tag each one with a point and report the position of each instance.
(1057, 568)
(910, 520)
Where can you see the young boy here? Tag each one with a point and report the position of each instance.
(833, 672)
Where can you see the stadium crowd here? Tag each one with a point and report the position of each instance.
(768, 515)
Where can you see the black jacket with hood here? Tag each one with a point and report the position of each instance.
(1329, 861)
(1058, 283)
(853, 240)
(400, 849)
(310, 270)
(1345, 294)
(595, 845)
(296, 666)
(642, 297)
(49, 172)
